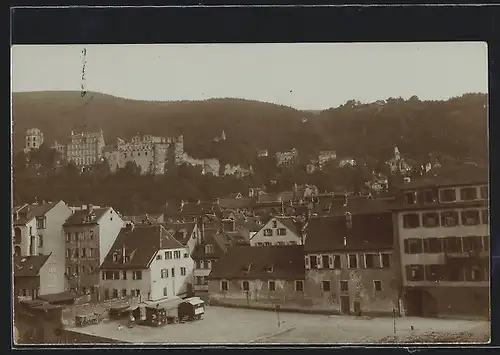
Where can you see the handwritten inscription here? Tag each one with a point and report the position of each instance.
(84, 64)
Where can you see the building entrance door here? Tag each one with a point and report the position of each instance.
(345, 307)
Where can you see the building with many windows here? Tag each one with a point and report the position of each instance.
(146, 261)
(38, 231)
(350, 264)
(258, 276)
(34, 139)
(89, 234)
(83, 149)
(442, 226)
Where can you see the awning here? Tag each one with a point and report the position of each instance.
(59, 297)
(194, 301)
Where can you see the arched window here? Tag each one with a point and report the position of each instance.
(17, 250)
(17, 235)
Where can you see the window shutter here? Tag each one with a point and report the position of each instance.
(330, 261)
(307, 261)
(319, 261)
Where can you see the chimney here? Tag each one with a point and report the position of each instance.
(348, 220)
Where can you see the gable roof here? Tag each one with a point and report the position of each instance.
(146, 218)
(29, 266)
(453, 176)
(211, 236)
(236, 203)
(29, 211)
(284, 262)
(140, 243)
(181, 231)
(368, 232)
(80, 216)
(355, 205)
(290, 223)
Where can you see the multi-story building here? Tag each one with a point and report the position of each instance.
(33, 139)
(287, 157)
(258, 276)
(325, 156)
(212, 245)
(38, 275)
(188, 234)
(150, 153)
(278, 231)
(349, 262)
(38, 230)
(146, 262)
(83, 149)
(89, 234)
(442, 226)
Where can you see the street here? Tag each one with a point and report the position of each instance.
(229, 325)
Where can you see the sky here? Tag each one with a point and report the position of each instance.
(303, 76)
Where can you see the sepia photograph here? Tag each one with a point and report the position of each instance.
(257, 193)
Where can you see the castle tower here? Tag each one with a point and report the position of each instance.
(179, 150)
(33, 139)
(397, 154)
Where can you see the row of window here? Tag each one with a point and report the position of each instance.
(79, 270)
(201, 280)
(446, 245)
(87, 235)
(176, 254)
(121, 275)
(470, 217)
(469, 193)
(299, 285)
(268, 232)
(292, 242)
(204, 264)
(114, 293)
(164, 272)
(436, 273)
(82, 253)
(368, 261)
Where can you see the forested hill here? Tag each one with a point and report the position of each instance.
(456, 127)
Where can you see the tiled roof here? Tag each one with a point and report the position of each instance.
(455, 176)
(146, 218)
(292, 225)
(263, 263)
(181, 231)
(29, 266)
(219, 241)
(141, 243)
(236, 203)
(28, 212)
(368, 231)
(253, 224)
(355, 205)
(80, 216)
(285, 196)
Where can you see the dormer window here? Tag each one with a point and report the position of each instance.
(208, 249)
(275, 224)
(269, 268)
(115, 257)
(246, 268)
